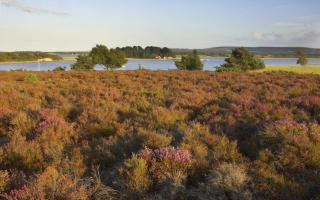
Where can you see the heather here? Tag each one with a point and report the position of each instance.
(159, 135)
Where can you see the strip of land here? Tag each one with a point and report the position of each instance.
(294, 69)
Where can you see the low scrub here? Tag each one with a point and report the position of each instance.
(159, 135)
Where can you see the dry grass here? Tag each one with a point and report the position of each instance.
(295, 69)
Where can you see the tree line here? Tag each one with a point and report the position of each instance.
(148, 52)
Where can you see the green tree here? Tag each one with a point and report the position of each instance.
(110, 59)
(83, 63)
(302, 58)
(190, 62)
(241, 60)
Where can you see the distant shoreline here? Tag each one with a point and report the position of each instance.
(74, 59)
(34, 61)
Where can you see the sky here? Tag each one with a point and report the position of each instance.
(77, 25)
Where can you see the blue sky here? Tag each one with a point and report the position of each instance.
(58, 25)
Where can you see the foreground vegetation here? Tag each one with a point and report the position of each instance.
(159, 135)
(26, 56)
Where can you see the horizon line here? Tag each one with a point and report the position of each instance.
(178, 48)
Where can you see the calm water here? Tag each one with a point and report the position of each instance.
(209, 64)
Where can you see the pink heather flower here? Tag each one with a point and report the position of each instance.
(48, 120)
(171, 153)
(15, 194)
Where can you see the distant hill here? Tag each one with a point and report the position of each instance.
(263, 51)
(226, 51)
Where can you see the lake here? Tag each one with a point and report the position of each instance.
(210, 64)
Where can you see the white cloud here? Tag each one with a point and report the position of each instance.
(291, 38)
(20, 5)
(290, 24)
(267, 36)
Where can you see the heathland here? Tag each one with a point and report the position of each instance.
(159, 135)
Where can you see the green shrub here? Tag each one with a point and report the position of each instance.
(59, 69)
(241, 60)
(155, 140)
(31, 77)
(83, 63)
(190, 62)
(136, 174)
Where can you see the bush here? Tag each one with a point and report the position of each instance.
(59, 69)
(54, 185)
(4, 180)
(155, 140)
(136, 174)
(110, 59)
(168, 165)
(31, 77)
(190, 62)
(83, 63)
(22, 154)
(302, 58)
(241, 60)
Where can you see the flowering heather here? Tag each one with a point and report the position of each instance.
(48, 119)
(267, 123)
(308, 100)
(15, 194)
(168, 153)
(290, 127)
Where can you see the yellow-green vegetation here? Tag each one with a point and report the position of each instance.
(294, 69)
(70, 58)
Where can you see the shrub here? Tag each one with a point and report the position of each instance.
(155, 140)
(302, 58)
(227, 181)
(4, 180)
(136, 174)
(168, 165)
(23, 155)
(83, 63)
(59, 69)
(55, 185)
(241, 60)
(190, 62)
(108, 58)
(231, 177)
(31, 77)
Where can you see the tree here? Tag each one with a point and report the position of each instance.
(83, 63)
(302, 58)
(110, 59)
(116, 59)
(190, 62)
(241, 60)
